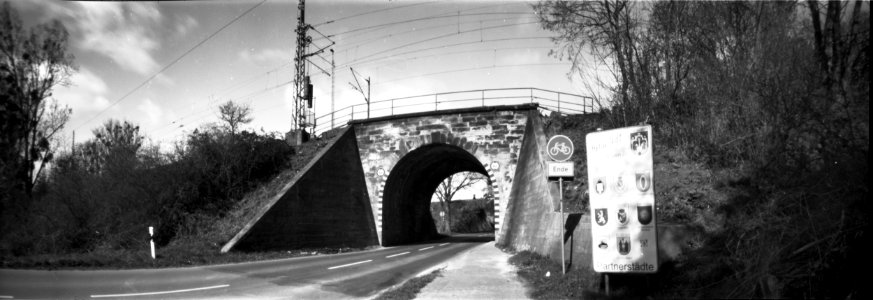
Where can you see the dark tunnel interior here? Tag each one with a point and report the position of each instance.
(410, 186)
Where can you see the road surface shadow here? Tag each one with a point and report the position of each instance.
(457, 238)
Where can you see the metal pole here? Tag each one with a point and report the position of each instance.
(435, 103)
(368, 97)
(332, 84)
(483, 98)
(561, 199)
(607, 284)
(559, 102)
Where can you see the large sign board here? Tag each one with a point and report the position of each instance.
(623, 229)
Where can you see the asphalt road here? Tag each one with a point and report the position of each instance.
(349, 275)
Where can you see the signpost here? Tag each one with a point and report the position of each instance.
(622, 200)
(560, 149)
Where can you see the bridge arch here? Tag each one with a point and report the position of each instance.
(410, 186)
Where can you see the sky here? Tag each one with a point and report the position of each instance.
(166, 66)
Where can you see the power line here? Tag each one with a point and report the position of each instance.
(468, 69)
(434, 38)
(425, 18)
(358, 62)
(370, 12)
(171, 64)
(240, 99)
(416, 30)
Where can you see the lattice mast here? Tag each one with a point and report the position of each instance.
(300, 78)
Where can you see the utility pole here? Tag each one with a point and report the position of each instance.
(361, 90)
(299, 117)
(332, 84)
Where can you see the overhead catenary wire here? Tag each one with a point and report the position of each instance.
(224, 92)
(414, 30)
(370, 12)
(425, 18)
(431, 39)
(370, 58)
(173, 62)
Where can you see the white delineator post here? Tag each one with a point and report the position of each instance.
(152, 240)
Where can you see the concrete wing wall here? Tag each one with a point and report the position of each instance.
(531, 223)
(326, 205)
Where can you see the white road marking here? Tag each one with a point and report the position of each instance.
(399, 254)
(422, 249)
(443, 244)
(161, 292)
(351, 264)
(6, 297)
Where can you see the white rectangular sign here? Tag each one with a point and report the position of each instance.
(622, 200)
(560, 169)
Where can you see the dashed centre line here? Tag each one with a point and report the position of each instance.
(443, 244)
(399, 254)
(160, 293)
(351, 264)
(6, 297)
(422, 249)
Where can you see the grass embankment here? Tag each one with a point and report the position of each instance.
(758, 227)
(200, 241)
(410, 288)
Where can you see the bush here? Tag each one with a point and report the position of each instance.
(81, 208)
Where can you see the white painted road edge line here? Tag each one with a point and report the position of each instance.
(351, 264)
(6, 297)
(404, 253)
(160, 293)
(422, 249)
(443, 244)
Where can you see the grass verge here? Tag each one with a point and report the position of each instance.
(545, 281)
(173, 256)
(410, 288)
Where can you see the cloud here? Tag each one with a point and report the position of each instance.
(151, 110)
(185, 24)
(120, 32)
(265, 57)
(128, 33)
(86, 92)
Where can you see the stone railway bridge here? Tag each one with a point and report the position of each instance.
(372, 184)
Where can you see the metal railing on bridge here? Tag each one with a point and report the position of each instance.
(551, 100)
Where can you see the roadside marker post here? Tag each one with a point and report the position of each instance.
(560, 149)
(152, 240)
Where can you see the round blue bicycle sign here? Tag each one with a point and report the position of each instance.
(560, 148)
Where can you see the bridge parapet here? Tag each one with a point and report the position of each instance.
(564, 103)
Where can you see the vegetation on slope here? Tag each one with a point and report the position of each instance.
(772, 100)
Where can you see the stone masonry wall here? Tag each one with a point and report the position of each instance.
(492, 135)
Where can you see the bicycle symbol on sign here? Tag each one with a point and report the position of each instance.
(560, 148)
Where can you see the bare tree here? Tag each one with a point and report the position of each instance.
(32, 63)
(234, 115)
(447, 189)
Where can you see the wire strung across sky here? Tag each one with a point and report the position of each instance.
(374, 57)
(167, 66)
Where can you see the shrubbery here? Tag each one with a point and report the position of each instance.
(773, 97)
(105, 199)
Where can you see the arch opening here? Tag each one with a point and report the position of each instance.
(410, 186)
